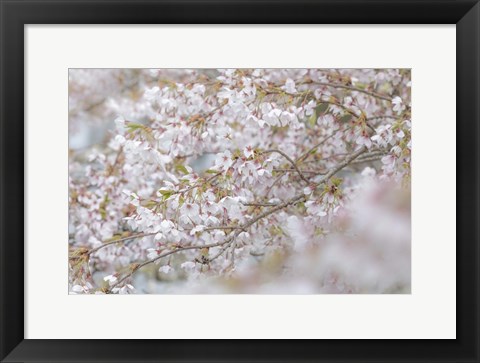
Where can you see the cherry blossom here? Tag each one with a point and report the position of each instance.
(111, 279)
(398, 106)
(165, 269)
(315, 208)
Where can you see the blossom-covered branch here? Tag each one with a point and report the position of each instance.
(240, 228)
(213, 175)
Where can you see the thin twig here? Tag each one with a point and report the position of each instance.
(105, 244)
(365, 160)
(197, 184)
(290, 161)
(351, 88)
(307, 153)
(259, 204)
(316, 172)
(213, 228)
(115, 163)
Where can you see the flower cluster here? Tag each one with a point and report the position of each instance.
(208, 179)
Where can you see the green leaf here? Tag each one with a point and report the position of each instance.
(312, 120)
(345, 118)
(166, 193)
(337, 181)
(210, 171)
(322, 108)
(181, 169)
(150, 204)
(132, 126)
(360, 85)
(113, 238)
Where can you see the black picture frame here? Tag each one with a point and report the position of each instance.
(15, 14)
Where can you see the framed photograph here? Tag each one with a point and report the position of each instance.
(240, 181)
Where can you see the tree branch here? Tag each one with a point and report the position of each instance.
(148, 262)
(140, 235)
(123, 239)
(365, 160)
(259, 204)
